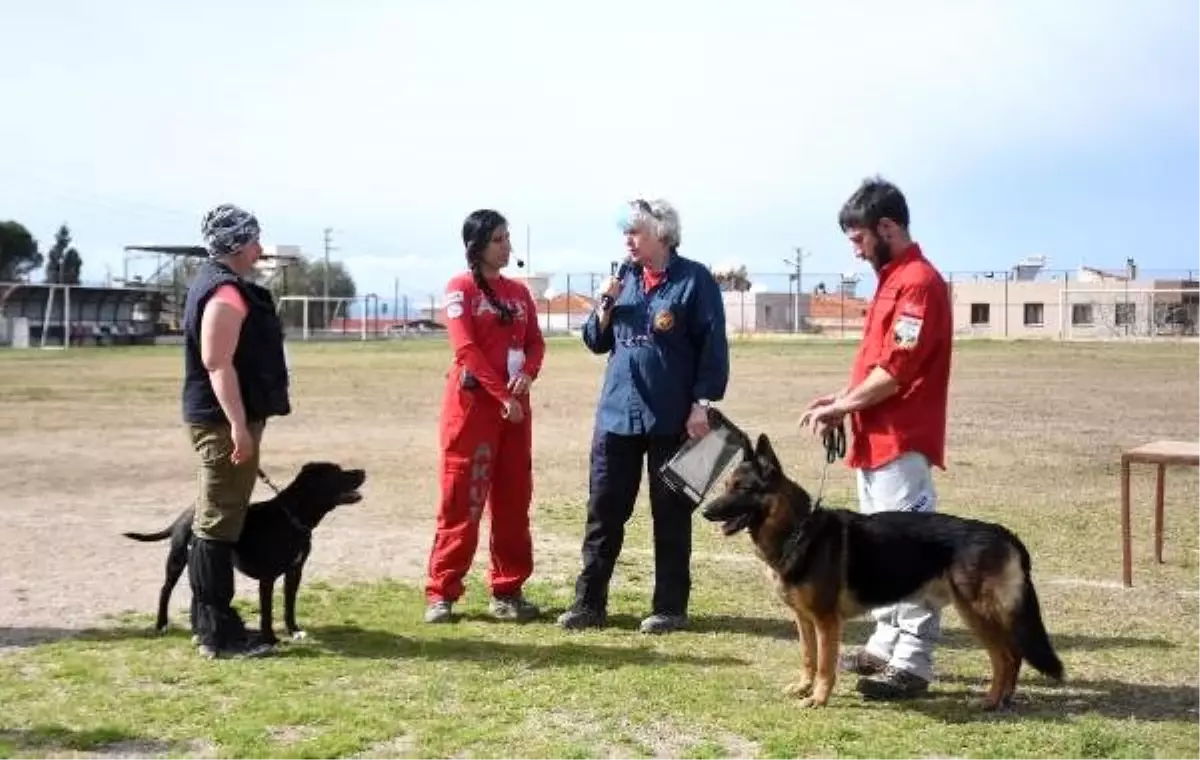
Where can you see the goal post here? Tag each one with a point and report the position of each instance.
(332, 318)
(1118, 313)
(58, 298)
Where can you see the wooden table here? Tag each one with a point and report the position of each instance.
(1161, 453)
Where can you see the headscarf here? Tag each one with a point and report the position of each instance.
(227, 228)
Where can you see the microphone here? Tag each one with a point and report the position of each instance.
(619, 272)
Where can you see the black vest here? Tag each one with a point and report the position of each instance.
(258, 359)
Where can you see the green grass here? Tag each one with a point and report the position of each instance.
(371, 679)
(1035, 435)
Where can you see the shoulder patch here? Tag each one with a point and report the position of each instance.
(454, 296)
(907, 330)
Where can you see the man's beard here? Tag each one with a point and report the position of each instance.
(882, 254)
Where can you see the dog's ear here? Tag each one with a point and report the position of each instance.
(747, 449)
(764, 454)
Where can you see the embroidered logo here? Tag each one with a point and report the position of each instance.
(454, 304)
(483, 306)
(906, 331)
(664, 320)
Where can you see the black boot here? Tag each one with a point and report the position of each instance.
(218, 629)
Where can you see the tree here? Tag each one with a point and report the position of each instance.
(63, 262)
(733, 278)
(19, 253)
(307, 278)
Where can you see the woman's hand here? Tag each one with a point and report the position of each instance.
(243, 444)
(697, 421)
(519, 385)
(512, 411)
(612, 288)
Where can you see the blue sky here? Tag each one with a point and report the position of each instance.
(1067, 129)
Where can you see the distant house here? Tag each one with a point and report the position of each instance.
(837, 313)
(751, 311)
(1104, 307)
(563, 312)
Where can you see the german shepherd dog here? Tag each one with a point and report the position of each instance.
(831, 565)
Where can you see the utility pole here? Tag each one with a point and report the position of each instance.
(328, 234)
(801, 254)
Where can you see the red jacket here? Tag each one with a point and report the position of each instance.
(481, 342)
(909, 331)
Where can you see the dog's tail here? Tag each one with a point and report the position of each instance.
(1030, 631)
(159, 536)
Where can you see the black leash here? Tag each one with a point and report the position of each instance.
(834, 440)
(286, 512)
(263, 477)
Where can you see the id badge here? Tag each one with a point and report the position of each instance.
(516, 360)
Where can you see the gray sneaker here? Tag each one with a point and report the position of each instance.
(660, 623)
(439, 612)
(578, 618)
(516, 608)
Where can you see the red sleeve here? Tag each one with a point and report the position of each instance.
(461, 293)
(535, 342)
(912, 335)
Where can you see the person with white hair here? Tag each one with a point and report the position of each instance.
(235, 378)
(661, 320)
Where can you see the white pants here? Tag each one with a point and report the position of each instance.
(905, 633)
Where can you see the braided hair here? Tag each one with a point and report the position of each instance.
(477, 233)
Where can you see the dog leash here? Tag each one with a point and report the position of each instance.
(834, 441)
(263, 477)
(286, 512)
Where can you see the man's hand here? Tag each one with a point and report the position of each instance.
(243, 444)
(512, 411)
(823, 412)
(520, 383)
(823, 417)
(697, 421)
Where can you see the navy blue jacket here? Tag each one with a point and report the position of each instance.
(667, 349)
(258, 359)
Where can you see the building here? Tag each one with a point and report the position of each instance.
(1093, 305)
(752, 311)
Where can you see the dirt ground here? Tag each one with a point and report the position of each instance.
(93, 446)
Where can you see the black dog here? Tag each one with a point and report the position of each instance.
(276, 539)
(831, 565)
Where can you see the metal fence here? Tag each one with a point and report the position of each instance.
(815, 303)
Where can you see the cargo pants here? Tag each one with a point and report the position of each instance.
(224, 488)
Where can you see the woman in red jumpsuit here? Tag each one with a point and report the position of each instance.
(486, 428)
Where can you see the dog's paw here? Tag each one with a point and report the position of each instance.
(1004, 704)
(799, 688)
(299, 635)
(808, 702)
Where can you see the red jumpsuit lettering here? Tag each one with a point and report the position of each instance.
(486, 460)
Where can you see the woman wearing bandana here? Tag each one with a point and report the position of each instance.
(235, 378)
(486, 429)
